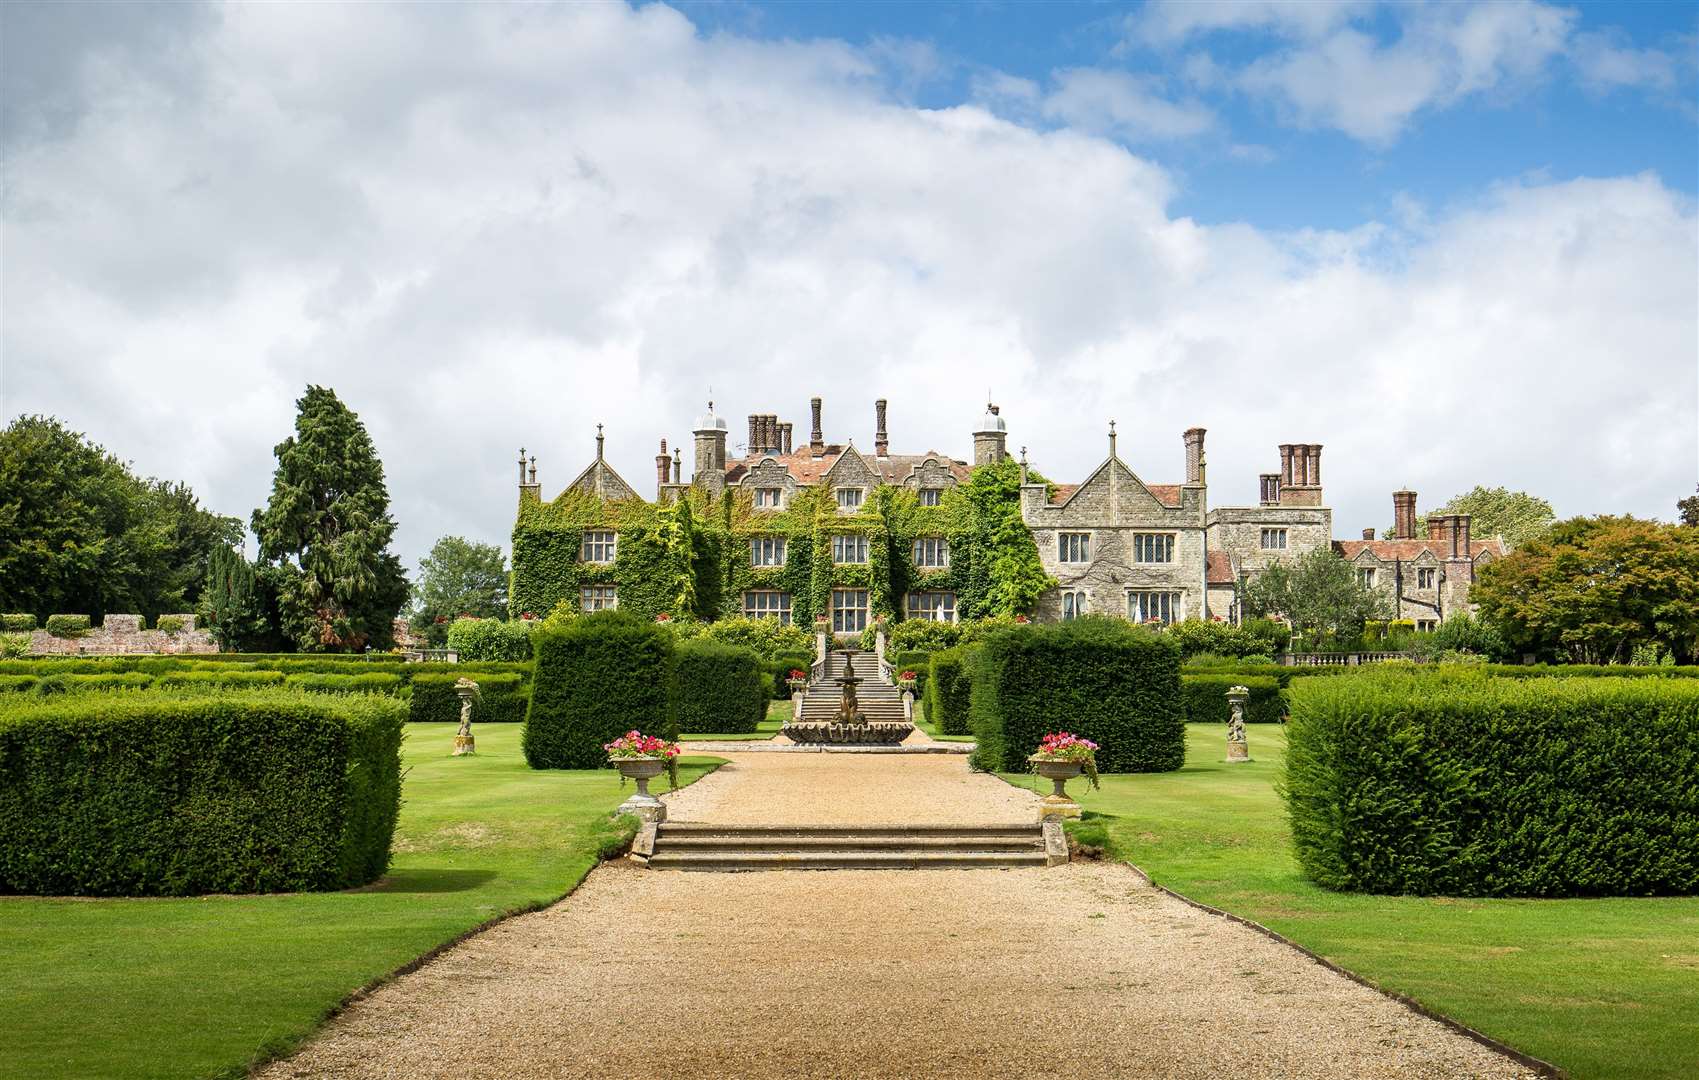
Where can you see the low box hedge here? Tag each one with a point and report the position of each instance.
(949, 691)
(501, 699)
(1462, 785)
(597, 677)
(491, 639)
(1098, 677)
(376, 682)
(717, 688)
(68, 625)
(17, 624)
(1205, 698)
(164, 795)
(227, 679)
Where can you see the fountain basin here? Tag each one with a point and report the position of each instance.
(877, 734)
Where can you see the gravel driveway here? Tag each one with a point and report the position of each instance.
(1080, 970)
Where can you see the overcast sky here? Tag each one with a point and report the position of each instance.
(1454, 245)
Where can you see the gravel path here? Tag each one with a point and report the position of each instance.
(1079, 970)
(850, 789)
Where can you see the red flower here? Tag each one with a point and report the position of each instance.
(1022, 618)
(663, 617)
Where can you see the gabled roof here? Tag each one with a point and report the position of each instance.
(805, 468)
(1412, 550)
(1219, 568)
(601, 480)
(1166, 494)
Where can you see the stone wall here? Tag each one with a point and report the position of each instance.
(122, 635)
(1237, 530)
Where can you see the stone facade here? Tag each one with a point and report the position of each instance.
(1115, 543)
(122, 635)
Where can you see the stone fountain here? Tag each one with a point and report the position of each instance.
(849, 726)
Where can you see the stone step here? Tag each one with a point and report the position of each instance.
(909, 859)
(709, 828)
(1001, 842)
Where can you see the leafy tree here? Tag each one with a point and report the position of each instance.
(1596, 588)
(1515, 515)
(1688, 508)
(239, 604)
(459, 577)
(327, 527)
(80, 533)
(1318, 593)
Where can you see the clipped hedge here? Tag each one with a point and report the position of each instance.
(501, 699)
(226, 679)
(1472, 786)
(159, 795)
(17, 623)
(597, 676)
(718, 688)
(376, 682)
(1102, 678)
(782, 666)
(491, 639)
(949, 691)
(68, 625)
(172, 624)
(1205, 698)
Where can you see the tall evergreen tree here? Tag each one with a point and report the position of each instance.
(327, 525)
(239, 603)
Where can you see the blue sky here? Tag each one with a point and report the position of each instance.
(1557, 124)
(1455, 244)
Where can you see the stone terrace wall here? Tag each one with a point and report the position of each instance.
(122, 635)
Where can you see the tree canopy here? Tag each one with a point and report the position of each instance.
(1687, 510)
(327, 526)
(1594, 589)
(80, 533)
(458, 577)
(1515, 515)
(1317, 592)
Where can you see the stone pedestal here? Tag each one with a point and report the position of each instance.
(463, 741)
(1238, 748)
(1057, 804)
(1055, 841)
(644, 806)
(464, 744)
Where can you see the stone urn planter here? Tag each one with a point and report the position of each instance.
(797, 685)
(641, 770)
(1058, 772)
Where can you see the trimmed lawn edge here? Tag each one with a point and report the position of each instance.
(285, 1045)
(1539, 1065)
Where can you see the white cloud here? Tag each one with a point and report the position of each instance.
(1165, 22)
(492, 226)
(1350, 80)
(1122, 104)
(1607, 60)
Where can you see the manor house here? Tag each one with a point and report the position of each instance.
(810, 529)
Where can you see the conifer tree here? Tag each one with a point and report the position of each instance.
(327, 527)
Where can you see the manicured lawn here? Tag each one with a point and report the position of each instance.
(192, 987)
(777, 713)
(1602, 988)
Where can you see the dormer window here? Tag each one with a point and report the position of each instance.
(849, 498)
(767, 498)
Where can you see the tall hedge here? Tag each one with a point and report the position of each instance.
(1205, 698)
(161, 795)
(948, 691)
(718, 688)
(1111, 682)
(597, 677)
(1461, 785)
(501, 699)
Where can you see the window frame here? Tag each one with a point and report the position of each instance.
(940, 551)
(1074, 603)
(1366, 576)
(760, 545)
(853, 506)
(1144, 540)
(860, 543)
(1427, 577)
(930, 496)
(1077, 542)
(1273, 532)
(944, 610)
(1172, 599)
(769, 498)
(591, 593)
(780, 609)
(863, 611)
(609, 547)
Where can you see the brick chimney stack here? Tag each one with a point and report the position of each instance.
(816, 439)
(1460, 529)
(663, 466)
(1404, 516)
(1368, 534)
(881, 443)
(785, 437)
(1194, 455)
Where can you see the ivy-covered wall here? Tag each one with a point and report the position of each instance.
(695, 558)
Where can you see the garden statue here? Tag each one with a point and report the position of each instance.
(1238, 750)
(468, 691)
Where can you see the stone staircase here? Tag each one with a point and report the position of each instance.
(704, 846)
(879, 700)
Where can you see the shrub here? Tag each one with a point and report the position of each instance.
(16, 684)
(1463, 633)
(227, 679)
(501, 699)
(1456, 783)
(1205, 698)
(171, 624)
(1275, 636)
(1099, 678)
(782, 666)
(491, 639)
(377, 682)
(948, 691)
(17, 623)
(717, 687)
(67, 625)
(1198, 636)
(14, 646)
(152, 794)
(923, 635)
(915, 660)
(597, 677)
(767, 636)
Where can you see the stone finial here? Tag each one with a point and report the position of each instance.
(1111, 439)
(533, 470)
(599, 441)
(678, 466)
(521, 466)
(1023, 466)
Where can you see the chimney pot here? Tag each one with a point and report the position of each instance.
(1368, 534)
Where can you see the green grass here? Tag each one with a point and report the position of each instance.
(924, 723)
(199, 986)
(778, 712)
(1602, 988)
